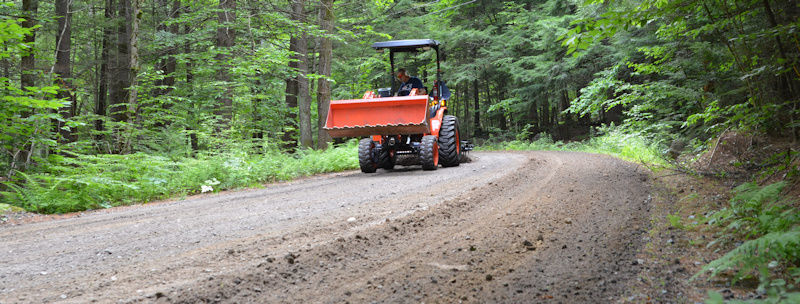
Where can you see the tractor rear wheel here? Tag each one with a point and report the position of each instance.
(449, 142)
(386, 158)
(429, 152)
(365, 159)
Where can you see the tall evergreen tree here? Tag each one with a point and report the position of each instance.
(326, 19)
(28, 63)
(226, 37)
(62, 67)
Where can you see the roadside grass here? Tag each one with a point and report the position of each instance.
(631, 147)
(9, 208)
(84, 182)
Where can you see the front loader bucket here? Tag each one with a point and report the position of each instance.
(378, 116)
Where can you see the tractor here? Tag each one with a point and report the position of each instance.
(415, 127)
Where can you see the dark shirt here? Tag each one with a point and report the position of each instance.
(406, 87)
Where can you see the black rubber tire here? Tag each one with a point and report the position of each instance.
(365, 161)
(386, 159)
(449, 142)
(429, 153)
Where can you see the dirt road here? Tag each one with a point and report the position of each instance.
(507, 227)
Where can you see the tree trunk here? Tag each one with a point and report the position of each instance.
(121, 68)
(187, 49)
(303, 94)
(27, 75)
(6, 68)
(62, 67)
(258, 104)
(563, 106)
(326, 20)
(544, 118)
(289, 137)
(501, 95)
(785, 80)
(225, 38)
(102, 92)
(167, 63)
(465, 99)
(28, 63)
(123, 72)
(135, 19)
(172, 63)
(476, 109)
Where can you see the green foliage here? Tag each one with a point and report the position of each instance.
(614, 141)
(771, 253)
(8, 208)
(675, 221)
(789, 297)
(26, 113)
(756, 211)
(82, 182)
(696, 68)
(629, 146)
(761, 254)
(544, 143)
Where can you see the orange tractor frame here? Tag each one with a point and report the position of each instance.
(415, 125)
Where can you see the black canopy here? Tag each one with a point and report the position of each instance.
(406, 45)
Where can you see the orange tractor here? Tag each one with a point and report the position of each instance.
(413, 125)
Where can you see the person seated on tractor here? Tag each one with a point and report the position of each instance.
(409, 83)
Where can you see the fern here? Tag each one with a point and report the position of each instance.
(791, 297)
(757, 254)
(756, 210)
(760, 213)
(751, 199)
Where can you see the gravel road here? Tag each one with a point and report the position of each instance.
(507, 227)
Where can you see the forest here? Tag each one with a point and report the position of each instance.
(113, 102)
(187, 78)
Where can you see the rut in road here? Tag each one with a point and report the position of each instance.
(509, 227)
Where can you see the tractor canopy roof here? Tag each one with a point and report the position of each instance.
(406, 45)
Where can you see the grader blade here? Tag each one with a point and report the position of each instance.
(378, 116)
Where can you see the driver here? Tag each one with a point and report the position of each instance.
(409, 83)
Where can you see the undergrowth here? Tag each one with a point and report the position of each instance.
(769, 225)
(82, 182)
(631, 147)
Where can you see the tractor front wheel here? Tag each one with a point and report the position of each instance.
(365, 159)
(429, 152)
